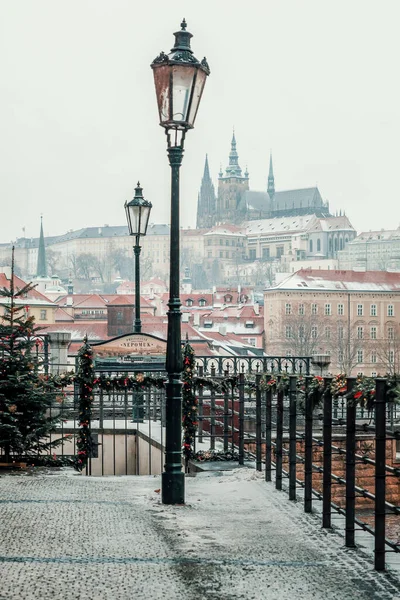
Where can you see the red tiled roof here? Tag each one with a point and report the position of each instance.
(62, 316)
(19, 283)
(342, 280)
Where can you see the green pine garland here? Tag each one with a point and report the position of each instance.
(189, 403)
(85, 379)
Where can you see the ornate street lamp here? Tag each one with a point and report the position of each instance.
(137, 215)
(179, 80)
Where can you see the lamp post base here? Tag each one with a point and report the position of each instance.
(173, 488)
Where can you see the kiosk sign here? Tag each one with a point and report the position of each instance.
(134, 344)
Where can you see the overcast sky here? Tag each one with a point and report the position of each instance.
(316, 81)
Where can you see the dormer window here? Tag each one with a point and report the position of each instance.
(189, 302)
(208, 324)
(249, 324)
(202, 302)
(228, 298)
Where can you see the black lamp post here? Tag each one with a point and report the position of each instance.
(137, 215)
(179, 80)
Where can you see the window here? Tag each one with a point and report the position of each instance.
(390, 310)
(314, 309)
(373, 332)
(252, 254)
(301, 331)
(120, 315)
(43, 314)
(318, 245)
(327, 333)
(340, 332)
(209, 254)
(360, 310)
(265, 252)
(373, 374)
(340, 310)
(360, 356)
(252, 341)
(288, 309)
(226, 254)
(208, 242)
(340, 356)
(314, 331)
(390, 333)
(301, 309)
(328, 310)
(373, 357)
(360, 333)
(391, 356)
(279, 251)
(311, 246)
(228, 298)
(373, 311)
(288, 331)
(189, 302)
(221, 254)
(226, 242)
(202, 302)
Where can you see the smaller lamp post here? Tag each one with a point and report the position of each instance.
(137, 215)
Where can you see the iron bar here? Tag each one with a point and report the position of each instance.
(279, 438)
(327, 455)
(350, 467)
(258, 423)
(292, 437)
(380, 474)
(308, 456)
(268, 431)
(241, 418)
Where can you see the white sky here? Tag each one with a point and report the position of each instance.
(316, 81)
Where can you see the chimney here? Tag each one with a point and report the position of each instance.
(222, 329)
(185, 317)
(256, 308)
(196, 319)
(70, 301)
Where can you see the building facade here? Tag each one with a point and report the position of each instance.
(351, 316)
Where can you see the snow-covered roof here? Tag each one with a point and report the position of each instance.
(332, 280)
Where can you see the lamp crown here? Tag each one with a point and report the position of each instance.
(182, 39)
(138, 191)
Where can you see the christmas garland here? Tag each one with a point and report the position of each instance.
(189, 403)
(125, 382)
(85, 378)
(314, 391)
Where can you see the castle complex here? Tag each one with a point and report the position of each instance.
(236, 203)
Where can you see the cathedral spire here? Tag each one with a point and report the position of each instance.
(233, 169)
(271, 179)
(41, 263)
(206, 200)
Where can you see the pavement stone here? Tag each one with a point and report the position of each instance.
(63, 535)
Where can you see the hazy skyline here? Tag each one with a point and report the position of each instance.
(315, 82)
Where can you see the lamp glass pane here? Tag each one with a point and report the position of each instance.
(197, 92)
(134, 214)
(144, 219)
(161, 81)
(183, 76)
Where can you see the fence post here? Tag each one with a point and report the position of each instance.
(226, 416)
(380, 474)
(258, 423)
(200, 413)
(308, 457)
(292, 436)
(268, 430)
(327, 457)
(241, 418)
(350, 467)
(212, 420)
(279, 436)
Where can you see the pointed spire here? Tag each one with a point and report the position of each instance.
(206, 174)
(233, 169)
(271, 179)
(41, 263)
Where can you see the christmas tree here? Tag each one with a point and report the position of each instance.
(189, 403)
(26, 395)
(85, 379)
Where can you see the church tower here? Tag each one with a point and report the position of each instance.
(206, 200)
(271, 180)
(41, 270)
(232, 186)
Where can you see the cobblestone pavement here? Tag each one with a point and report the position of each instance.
(67, 536)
